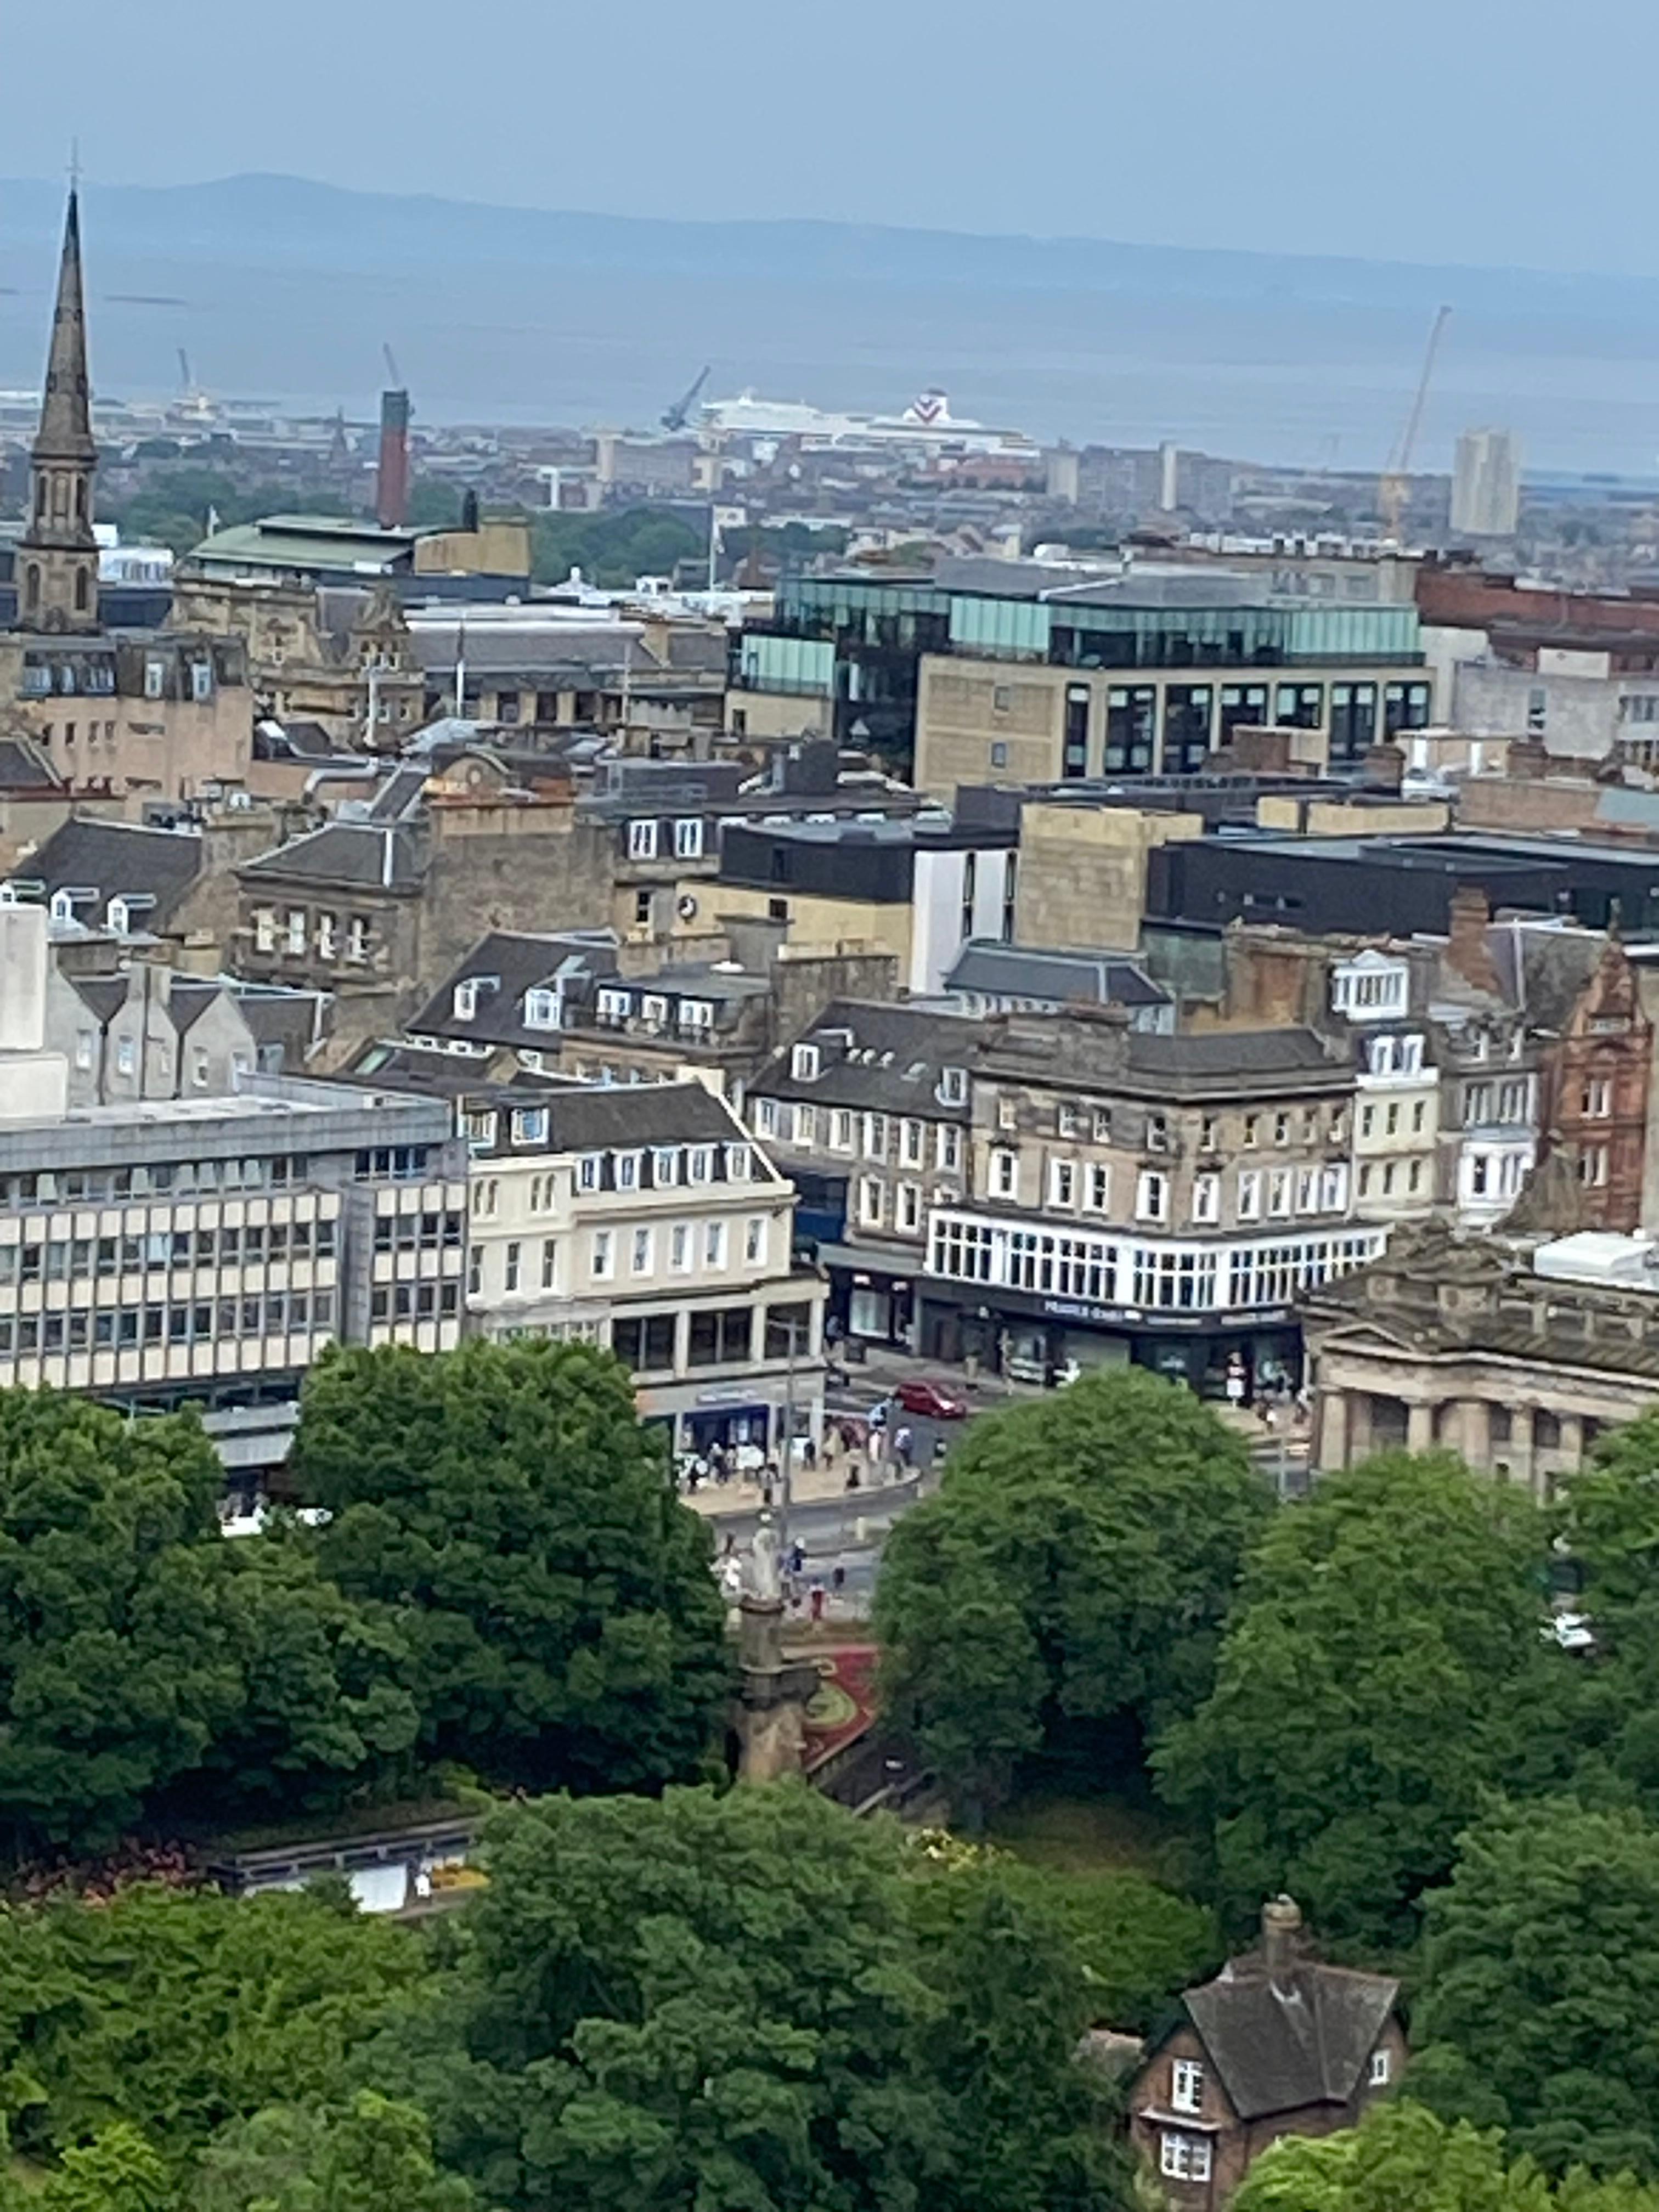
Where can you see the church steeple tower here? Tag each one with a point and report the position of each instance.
(56, 565)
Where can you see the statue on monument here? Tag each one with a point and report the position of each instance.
(763, 1583)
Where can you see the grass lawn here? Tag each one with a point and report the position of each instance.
(1068, 1833)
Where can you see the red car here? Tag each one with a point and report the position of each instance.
(918, 1395)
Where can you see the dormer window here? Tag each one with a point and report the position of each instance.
(1186, 2086)
(688, 839)
(62, 909)
(1379, 2070)
(465, 1000)
(804, 1063)
(697, 1014)
(530, 1125)
(1370, 988)
(953, 1086)
(653, 1010)
(665, 1166)
(119, 917)
(626, 1169)
(479, 1125)
(642, 841)
(541, 1009)
(588, 1172)
(738, 1163)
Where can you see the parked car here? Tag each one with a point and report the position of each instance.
(918, 1395)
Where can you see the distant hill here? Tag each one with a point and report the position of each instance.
(284, 288)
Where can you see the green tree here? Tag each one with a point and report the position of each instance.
(372, 2155)
(114, 1672)
(1607, 1522)
(1075, 1567)
(1402, 2158)
(1539, 2007)
(1383, 1666)
(505, 1506)
(733, 2000)
(119, 2170)
(614, 547)
(175, 2014)
(325, 1704)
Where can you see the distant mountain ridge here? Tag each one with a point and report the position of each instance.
(266, 217)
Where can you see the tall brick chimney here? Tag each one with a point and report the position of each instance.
(1281, 1932)
(1466, 950)
(391, 479)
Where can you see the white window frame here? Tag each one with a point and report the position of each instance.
(907, 1208)
(1186, 2086)
(680, 1248)
(688, 837)
(541, 1008)
(804, 1063)
(754, 1241)
(1003, 1167)
(642, 841)
(1098, 1186)
(911, 1137)
(601, 1255)
(713, 1244)
(1207, 1198)
(1153, 1195)
(1062, 1184)
(947, 1149)
(841, 1135)
(1380, 2071)
(872, 1200)
(642, 1254)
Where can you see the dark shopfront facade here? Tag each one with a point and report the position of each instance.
(1174, 1322)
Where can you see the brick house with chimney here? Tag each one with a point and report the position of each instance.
(1595, 1107)
(1277, 2043)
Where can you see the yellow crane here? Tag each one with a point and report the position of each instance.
(1393, 485)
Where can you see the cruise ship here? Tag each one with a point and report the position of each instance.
(926, 425)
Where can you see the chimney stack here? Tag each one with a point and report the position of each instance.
(1466, 950)
(391, 480)
(1281, 1931)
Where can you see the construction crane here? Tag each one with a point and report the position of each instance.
(676, 416)
(392, 367)
(1393, 485)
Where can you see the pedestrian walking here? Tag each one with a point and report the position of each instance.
(818, 1601)
(903, 1444)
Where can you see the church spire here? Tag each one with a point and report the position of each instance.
(57, 560)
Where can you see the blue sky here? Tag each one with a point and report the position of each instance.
(1419, 129)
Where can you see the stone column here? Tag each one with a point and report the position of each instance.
(1419, 1426)
(1477, 1433)
(1521, 1448)
(1572, 1442)
(1332, 1454)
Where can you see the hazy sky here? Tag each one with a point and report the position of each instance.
(1442, 129)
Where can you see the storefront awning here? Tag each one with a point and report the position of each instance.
(862, 1260)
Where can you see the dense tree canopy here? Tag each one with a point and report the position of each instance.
(614, 547)
(1076, 1566)
(371, 2154)
(1402, 2158)
(1539, 2006)
(1607, 1522)
(1383, 1666)
(732, 2000)
(517, 1524)
(174, 2014)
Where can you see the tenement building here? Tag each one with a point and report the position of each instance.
(1513, 1353)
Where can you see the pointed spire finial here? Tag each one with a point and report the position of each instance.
(65, 432)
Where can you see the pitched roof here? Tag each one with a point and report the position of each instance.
(893, 1064)
(1011, 971)
(25, 766)
(520, 962)
(109, 859)
(358, 855)
(1303, 2039)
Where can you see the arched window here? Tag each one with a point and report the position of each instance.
(117, 917)
(40, 499)
(80, 591)
(62, 907)
(31, 587)
(80, 499)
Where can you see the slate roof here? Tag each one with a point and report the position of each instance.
(1092, 1052)
(24, 765)
(1303, 2040)
(523, 962)
(351, 854)
(894, 1064)
(1010, 971)
(114, 859)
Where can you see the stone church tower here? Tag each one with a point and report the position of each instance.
(56, 566)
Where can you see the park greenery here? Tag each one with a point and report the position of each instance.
(672, 1992)
(506, 1580)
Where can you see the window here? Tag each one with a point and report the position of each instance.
(1249, 1194)
(910, 1142)
(1152, 1196)
(840, 1130)
(700, 1164)
(541, 1009)
(642, 841)
(807, 1125)
(126, 1055)
(201, 679)
(664, 1166)
(1062, 1182)
(754, 1241)
(1157, 1133)
(549, 1262)
(1281, 1128)
(530, 1125)
(84, 1042)
(1186, 2086)
(1007, 1112)
(1005, 1173)
(906, 1207)
(357, 938)
(872, 1194)
(1207, 1133)
(1280, 1186)
(1207, 1198)
(1182, 2157)
(947, 1149)
(1098, 1186)
(953, 1086)
(1066, 1120)
(697, 1014)
(1598, 1098)
(804, 1063)
(688, 839)
(720, 1336)
(625, 1167)
(875, 1136)
(1593, 1166)
(640, 1255)
(604, 1255)
(679, 1248)
(713, 1244)
(155, 677)
(739, 1163)
(511, 1267)
(613, 1007)
(1000, 753)
(198, 1066)
(1251, 1121)
(1379, 2069)
(765, 1118)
